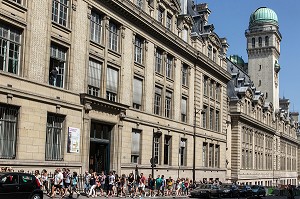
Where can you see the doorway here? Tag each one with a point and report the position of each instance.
(100, 137)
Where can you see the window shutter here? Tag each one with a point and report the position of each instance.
(94, 74)
(135, 143)
(183, 106)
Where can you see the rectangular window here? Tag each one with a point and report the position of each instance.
(169, 22)
(112, 84)
(183, 109)
(158, 61)
(113, 36)
(169, 67)
(184, 74)
(94, 77)
(211, 116)
(204, 115)
(54, 137)
(138, 50)
(205, 85)
(167, 150)
(58, 64)
(204, 155)
(217, 156)
(160, 15)
(183, 152)
(137, 93)
(135, 146)
(217, 93)
(10, 47)
(211, 89)
(168, 105)
(96, 27)
(211, 155)
(60, 9)
(217, 124)
(157, 101)
(156, 148)
(8, 131)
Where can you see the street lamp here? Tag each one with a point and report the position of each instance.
(153, 160)
(194, 138)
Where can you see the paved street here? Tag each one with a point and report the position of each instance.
(180, 197)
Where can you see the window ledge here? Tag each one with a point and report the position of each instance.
(185, 86)
(97, 45)
(118, 54)
(15, 5)
(61, 27)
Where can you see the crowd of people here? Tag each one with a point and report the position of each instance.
(65, 183)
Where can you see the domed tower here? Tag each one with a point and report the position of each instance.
(263, 48)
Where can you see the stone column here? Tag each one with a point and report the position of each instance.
(85, 138)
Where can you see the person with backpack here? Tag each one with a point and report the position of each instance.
(74, 184)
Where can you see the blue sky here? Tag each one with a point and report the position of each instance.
(231, 18)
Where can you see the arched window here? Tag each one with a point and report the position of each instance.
(259, 41)
(253, 42)
(266, 41)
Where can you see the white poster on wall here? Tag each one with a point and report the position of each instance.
(73, 140)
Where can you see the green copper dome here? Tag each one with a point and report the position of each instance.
(263, 15)
(237, 60)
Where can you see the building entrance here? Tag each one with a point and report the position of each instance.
(100, 137)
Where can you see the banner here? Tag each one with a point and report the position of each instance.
(73, 140)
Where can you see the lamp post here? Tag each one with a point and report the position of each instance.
(194, 147)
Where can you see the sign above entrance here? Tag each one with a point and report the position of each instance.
(73, 140)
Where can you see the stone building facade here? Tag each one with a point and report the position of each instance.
(108, 85)
(262, 131)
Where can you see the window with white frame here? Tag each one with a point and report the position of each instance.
(160, 15)
(204, 154)
(10, 47)
(183, 152)
(113, 36)
(157, 101)
(58, 64)
(217, 156)
(211, 89)
(156, 142)
(217, 93)
(60, 9)
(135, 146)
(168, 104)
(158, 61)
(167, 149)
(169, 22)
(54, 137)
(8, 131)
(94, 77)
(169, 67)
(184, 75)
(138, 50)
(137, 93)
(96, 27)
(112, 84)
(184, 109)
